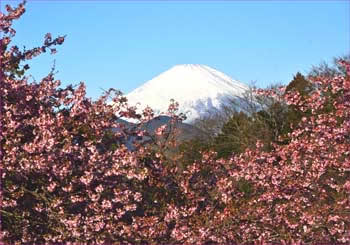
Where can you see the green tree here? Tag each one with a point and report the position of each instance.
(300, 84)
(240, 132)
(304, 87)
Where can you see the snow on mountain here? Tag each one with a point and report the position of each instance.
(197, 88)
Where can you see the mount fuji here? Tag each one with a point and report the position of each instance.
(198, 89)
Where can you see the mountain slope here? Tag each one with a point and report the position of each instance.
(182, 131)
(197, 88)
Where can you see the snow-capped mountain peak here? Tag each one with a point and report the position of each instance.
(197, 89)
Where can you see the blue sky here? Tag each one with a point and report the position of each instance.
(122, 44)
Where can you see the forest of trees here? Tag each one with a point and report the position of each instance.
(277, 171)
